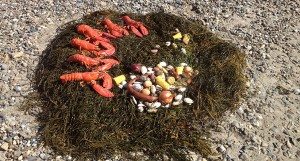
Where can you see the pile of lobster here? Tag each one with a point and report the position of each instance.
(98, 46)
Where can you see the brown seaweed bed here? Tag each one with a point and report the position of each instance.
(77, 121)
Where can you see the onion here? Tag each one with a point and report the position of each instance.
(136, 67)
(166, 97)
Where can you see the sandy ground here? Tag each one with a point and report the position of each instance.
(265, 127)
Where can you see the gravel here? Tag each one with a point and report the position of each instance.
(265, 127)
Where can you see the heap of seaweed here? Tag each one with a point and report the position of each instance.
(78, 122)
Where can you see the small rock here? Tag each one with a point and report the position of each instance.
(17, 55)
(3, 66)
(4, 146)
(18, 88)
(288, 144)
(297, 91)
(157, 46)
(221, 149)
(42, 156)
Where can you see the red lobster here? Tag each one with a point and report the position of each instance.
(94, 48)
(90, 78)
(115, 29)
(135, 26)
(88, 62)
(93, 34)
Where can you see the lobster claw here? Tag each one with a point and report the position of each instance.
(100, 90)
(136, 27)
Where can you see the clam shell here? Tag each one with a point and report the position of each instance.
(153, 89)
(163, 64)
(140, 104)
(183, 64)
(178, 97)
(143, 70)
(137, 87)
(152, 110)
(182, 89)
(183, 50)
(132, 76)
(188, 101)
(154, 51)
(134, 100)
(156, 104)
(141, 108)
(168, 43)
(176, 103)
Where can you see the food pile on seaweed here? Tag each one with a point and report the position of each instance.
(99, 66)
(77, 121)
(160, 86)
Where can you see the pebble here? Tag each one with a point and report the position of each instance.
(221, 149)
(4, 146)
(297, 91)
(3, 66)
(18, 88)
(153, 89)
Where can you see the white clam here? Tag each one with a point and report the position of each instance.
(168, 43)
(176, 103)
(143, 70)
(153, 89)
(137, 87)
(183, 50)
(156, 104)
(163, 64)
(152, 110)
(189, 101)
(178, 97)
(183, 64)
(169, 67)
(166, 106)
(141, 104)
(132, 76)
(182, 89)
(120, 86)
(154, 51)
(134, 100)
(150, 69)
(141, 108)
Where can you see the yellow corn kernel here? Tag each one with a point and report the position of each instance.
(179, 70)
(171, 80)
(119, 79)
(186, 39)
(177, 36)
(160, 81)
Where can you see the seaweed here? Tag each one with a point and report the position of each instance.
(78, 122)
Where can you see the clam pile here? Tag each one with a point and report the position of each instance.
(162, 86)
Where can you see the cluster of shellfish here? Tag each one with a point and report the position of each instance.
(162, 86)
